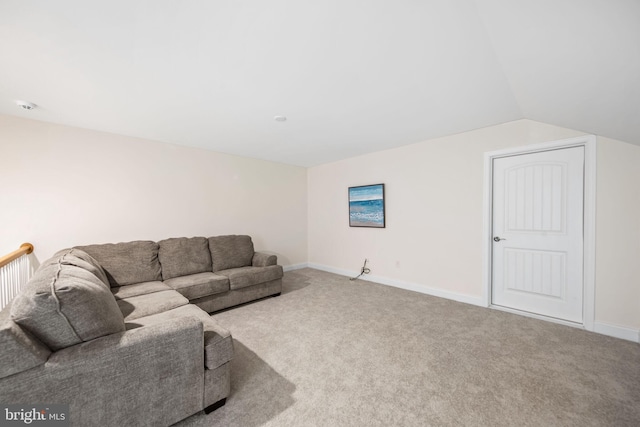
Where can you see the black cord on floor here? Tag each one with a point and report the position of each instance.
(364, 270)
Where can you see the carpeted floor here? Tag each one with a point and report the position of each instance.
(332, 352)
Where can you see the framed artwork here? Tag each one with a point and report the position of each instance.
(366, 206)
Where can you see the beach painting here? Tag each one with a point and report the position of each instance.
(366, 206)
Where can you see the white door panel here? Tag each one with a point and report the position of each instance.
(538, 216)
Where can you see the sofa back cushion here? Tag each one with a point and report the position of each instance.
(20, 350)
(63, 305)
(79, 258)
(230, 251)
(184, 256)
(127, 263)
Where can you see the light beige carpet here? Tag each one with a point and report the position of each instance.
(332, 352)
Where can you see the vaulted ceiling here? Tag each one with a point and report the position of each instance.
(351, 76)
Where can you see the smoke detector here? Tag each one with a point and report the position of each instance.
(280, 118)
(26, 105)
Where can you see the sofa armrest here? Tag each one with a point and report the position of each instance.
(261, 259)
(152, 375)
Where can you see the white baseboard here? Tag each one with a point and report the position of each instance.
(334, 270)
(404, 285)
(295, 267)
(617, 331)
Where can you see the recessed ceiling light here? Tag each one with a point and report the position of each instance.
(26, 105)
(280, 118)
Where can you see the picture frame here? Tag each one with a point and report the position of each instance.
(367, 206)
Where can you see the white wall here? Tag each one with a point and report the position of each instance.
(65, 186)
(618, 234)
(433, 239)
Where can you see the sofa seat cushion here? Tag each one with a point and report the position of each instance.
(218, 344)
(128, 291)
(199, 285)
(148, 304)
(184, 256)
(63, 305)
(248, 276)
(20, 350)
(127, 263)
(230, 252)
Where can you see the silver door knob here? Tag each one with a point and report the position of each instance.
(497, 239)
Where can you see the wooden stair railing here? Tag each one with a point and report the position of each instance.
(15, 272)
(25, 248)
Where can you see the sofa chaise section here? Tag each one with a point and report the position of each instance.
(218, 349)
(149, 376)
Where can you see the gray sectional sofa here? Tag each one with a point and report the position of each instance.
(120, 332)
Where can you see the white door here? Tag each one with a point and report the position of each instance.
(538, 233)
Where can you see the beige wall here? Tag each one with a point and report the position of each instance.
(618, 234)
(434, 207)
(65, 186)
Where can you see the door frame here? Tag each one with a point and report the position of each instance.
(589, 224)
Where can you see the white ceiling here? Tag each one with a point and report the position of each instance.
(352, 76)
